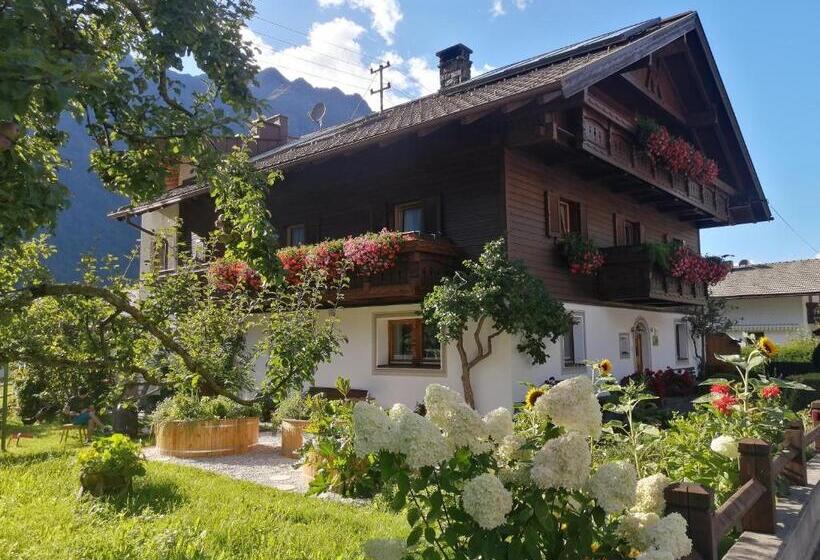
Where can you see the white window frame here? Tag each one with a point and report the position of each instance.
(578, 332)
(682, 357)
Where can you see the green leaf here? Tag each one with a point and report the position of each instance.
(415, 535)
(413, 516)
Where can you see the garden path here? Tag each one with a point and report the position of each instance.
(262, 464)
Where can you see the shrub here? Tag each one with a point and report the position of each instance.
(109, 465)
(182, 407)
(798, 350)
(292, 407)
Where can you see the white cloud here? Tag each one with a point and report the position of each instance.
(498, 7)
(817, 256)
(386, 14)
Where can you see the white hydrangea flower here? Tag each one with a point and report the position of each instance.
(518, 475)
(372, 429)
(633, 528)
(509, 449)
(726, 446)
(461, 424)
(649, 494)
(655, 554)
(572, 405)
(417, 438)
(486, 500)
(385, 549)
(499, 423)
(669, 535)
(562, 462)
(613, 485)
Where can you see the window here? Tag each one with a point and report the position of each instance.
(412, 345)
(632, 233)
(197, 247)
(574, 342)
(161, 254)
(410, 217)
(569, 217)
(624, 346)
(682, 341)
(296, 235)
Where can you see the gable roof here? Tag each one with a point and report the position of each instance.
(560, 73)
(771, 279)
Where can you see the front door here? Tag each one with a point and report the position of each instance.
(639, 334)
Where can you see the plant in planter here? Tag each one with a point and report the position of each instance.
(228, 275)
(581, 254)
(292, 416)
(109, 465)
(675, 153)
(693, 268)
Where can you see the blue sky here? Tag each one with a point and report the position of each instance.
(767, 54)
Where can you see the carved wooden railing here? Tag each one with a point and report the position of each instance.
(629, 275)
(753, 504)
(420, 264)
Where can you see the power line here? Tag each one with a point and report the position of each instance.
(296, 45)
(361, 98)
(794, 231)
(334, 80)
(306, 34)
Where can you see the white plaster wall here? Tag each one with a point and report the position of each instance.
(780, 318)
(497, 381)
(156, 221)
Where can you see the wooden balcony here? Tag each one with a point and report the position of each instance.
(628, 276)
(420, 264)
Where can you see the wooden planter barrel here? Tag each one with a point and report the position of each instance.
(207, 438)
(292, 437)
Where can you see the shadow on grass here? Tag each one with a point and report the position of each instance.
(148, 496)
(27, 459)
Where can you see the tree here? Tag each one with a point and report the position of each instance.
(108, 65)
(500, 296)
(706, 320)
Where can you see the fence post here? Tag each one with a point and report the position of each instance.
(756, 463)
(794, 438)
(815, 421)
(697, 505)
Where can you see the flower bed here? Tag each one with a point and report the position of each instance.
(363, 255)
(665, 382)
(675, 153)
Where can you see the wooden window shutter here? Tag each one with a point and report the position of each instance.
(642, 229)
(378, 216)
(551, 202)
(582, 211)
(313, 232)
(618, 232)
(390, 216)
(432, 214)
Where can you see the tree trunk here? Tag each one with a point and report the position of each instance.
(467, 384)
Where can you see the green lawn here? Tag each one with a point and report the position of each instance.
(173, 513)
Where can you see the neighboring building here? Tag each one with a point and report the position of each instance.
(780, 300)
(529, 151)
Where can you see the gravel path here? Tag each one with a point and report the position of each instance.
(262, 464)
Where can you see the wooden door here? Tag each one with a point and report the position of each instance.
(639, 334)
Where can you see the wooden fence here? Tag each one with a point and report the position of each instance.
(752, 506)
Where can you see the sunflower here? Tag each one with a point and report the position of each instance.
(766, 346)
(605, 366)
(533, 395)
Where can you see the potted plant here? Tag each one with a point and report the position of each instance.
(581, 254)
(293, 414)
(109, 465)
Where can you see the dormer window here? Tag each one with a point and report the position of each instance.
(410, 217)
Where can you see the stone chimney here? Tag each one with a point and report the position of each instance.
(454, 65)
(270, 133)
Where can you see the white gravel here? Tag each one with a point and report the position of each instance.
(263, 464)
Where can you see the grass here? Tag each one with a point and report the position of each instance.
(173, 513)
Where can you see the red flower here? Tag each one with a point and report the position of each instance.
(770, 392)
(721, 389)
(724, 404)
(228, 276)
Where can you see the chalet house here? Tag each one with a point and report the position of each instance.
(780, 300)
(532, 151)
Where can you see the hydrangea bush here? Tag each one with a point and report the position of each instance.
(491, 487)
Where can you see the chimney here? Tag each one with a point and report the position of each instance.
(454, 65)
(270, 133)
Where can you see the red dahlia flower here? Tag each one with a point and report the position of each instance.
(721, 389)
(770, 392)
(724, 404)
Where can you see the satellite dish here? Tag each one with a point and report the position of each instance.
(318, 113)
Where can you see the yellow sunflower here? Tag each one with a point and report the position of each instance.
(532, 395)
(605, 366)
(766, 346)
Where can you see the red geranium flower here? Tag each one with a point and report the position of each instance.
(724, 404)
(770, 392)
(721, 389)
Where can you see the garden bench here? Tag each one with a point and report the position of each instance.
(65, 433)
(333, 394)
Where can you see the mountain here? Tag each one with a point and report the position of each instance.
(84, 227)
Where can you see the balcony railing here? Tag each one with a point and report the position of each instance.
(629, 276)
(420, 264)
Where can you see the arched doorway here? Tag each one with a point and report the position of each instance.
(642, 345)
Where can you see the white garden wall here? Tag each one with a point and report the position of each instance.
(498, 380)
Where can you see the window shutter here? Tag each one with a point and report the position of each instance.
(551, 201)
(313, 232)
(432, 214)
(642, 229)
(378, 216)
(578, 339)
(582, 211)
(618, 231)
(390, 216)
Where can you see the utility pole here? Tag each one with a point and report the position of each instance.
(5, 370)
(382, 87)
